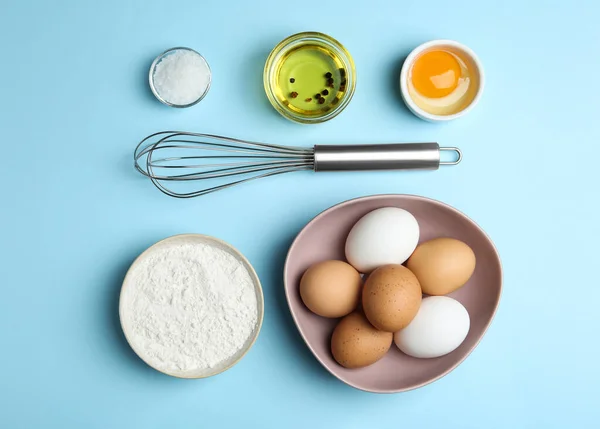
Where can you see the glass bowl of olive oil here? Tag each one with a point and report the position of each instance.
(309, 77)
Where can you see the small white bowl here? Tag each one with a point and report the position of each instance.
(466, 53)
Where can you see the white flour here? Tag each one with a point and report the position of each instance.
(190, 306)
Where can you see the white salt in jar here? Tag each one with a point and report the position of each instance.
(180, 77)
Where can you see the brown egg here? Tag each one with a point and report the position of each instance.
(442, 265)
(331, 288)
(356, 343)
(391, 297)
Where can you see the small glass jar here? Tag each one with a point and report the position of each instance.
(205, 80)
(309, 78)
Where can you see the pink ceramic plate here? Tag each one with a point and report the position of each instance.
(324, 238)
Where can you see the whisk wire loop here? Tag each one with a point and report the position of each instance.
(253, 160)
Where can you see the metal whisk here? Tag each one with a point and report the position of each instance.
(228, 161)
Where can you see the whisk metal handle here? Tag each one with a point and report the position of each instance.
(396, 156)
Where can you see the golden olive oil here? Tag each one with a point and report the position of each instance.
(310, 80)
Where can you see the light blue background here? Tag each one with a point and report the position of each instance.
(74, 213)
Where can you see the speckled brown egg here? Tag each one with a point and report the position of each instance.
(355, 343)
(442, 265)
(391, 297)
(331, 288)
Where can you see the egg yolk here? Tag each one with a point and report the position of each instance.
(435, 74)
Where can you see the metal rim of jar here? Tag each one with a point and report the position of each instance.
(291, 42)
(151, 77)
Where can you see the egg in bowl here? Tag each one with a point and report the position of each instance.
(441, 80)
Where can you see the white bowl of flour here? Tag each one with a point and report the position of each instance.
(191, 306)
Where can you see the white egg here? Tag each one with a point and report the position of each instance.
(440, 326)
(384, 236)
